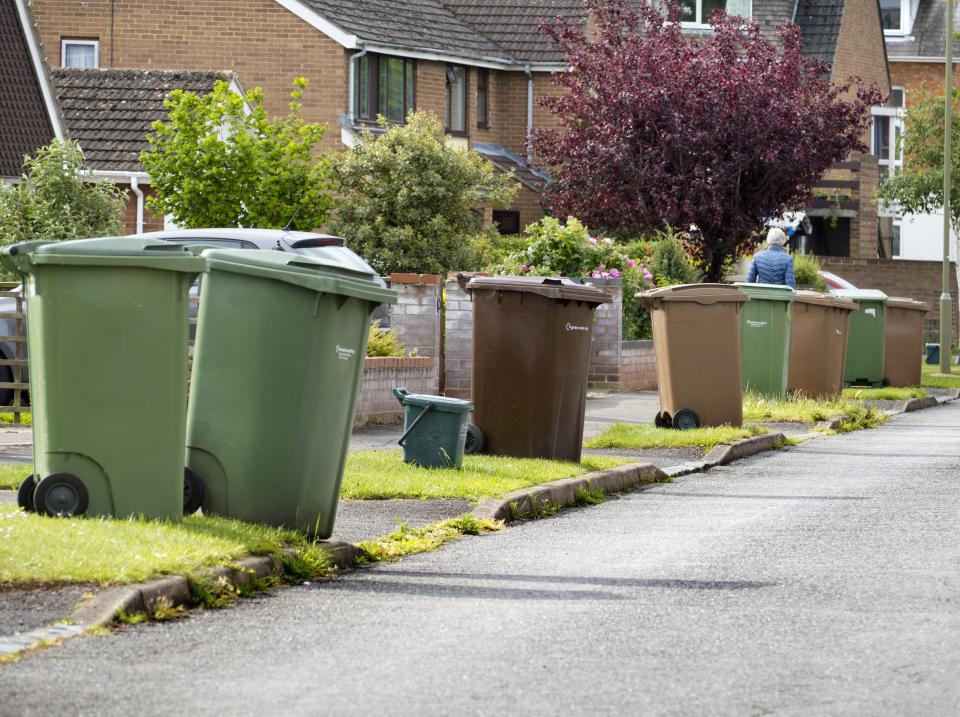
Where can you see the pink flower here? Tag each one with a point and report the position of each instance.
(615, 273)
(593, 240)
(606, 274)
(596, 274)
(610, 241)
(525, 268)
(631, 263)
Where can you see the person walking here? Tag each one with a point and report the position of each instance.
(773, 265)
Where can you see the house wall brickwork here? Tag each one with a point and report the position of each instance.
(860, 47)
(151, 222)
(911, 74)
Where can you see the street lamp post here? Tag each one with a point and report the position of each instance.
(946, 309)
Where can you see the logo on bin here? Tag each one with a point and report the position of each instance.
(574, 327)
(345, 354)
(756, 324)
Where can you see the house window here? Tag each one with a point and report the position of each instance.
(385, 86)
(895, 238)
(483, 96)
(895, 16)
(80, 53)
(456, 99)
(507, 222)
(887, 131)
(696, 13)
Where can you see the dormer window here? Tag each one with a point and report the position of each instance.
(696, 13)
(895, 16)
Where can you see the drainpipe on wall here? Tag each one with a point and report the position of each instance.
(135, 188)
(526, 69)
(352, 83)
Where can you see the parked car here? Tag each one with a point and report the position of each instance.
(835, 282)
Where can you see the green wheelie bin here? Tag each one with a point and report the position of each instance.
(281, 341)
(108, 326)
(765, 338)
(866, 339)
(434, 429)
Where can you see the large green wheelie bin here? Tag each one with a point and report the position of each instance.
(866, 339)
(281, 341)
(108, 325)
(765, 338)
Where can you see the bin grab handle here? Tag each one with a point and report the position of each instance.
(413, 425)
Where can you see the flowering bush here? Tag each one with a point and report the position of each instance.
(555, 249)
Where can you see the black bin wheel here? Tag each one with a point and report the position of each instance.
(659, 422)
(25, 493)
(474, 440)
(61, 494)
(192, 492)
(885, 383)
(685, 419)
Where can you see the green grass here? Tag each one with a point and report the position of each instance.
(639, 436)
(35, 549)
(407, 541)
(864, 417)
(932, 377)
(26, 419)
(795, 409)
(884, 394)
(372, 475)
(12, 474)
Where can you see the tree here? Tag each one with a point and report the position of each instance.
(918, 187)
(221, 160)
(410, 202)
(662, 128)
(57, 199)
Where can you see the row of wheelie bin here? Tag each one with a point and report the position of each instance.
(280, 347)
(714, 341)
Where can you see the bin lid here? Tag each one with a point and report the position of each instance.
(902, 302)
(112, 251)
(862, 295)
(770, 292)
(806, 296)
(305, 271)
(440, 403)
(699, 293)
(552, 287)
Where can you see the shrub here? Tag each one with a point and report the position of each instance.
(384, 342)
(670, 264)
(805, 268)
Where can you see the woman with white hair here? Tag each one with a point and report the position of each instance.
(773, 265)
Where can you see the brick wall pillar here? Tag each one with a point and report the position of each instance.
(605, 363)
(417, 316)
(458, 353)
(864, 228)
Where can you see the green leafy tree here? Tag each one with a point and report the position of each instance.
(221, 160)
(410, 202)
(670, 264)
(58, 199)
(918, 187)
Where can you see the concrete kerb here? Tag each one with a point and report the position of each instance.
(722, 455)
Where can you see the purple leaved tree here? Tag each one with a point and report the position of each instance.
(722, 130)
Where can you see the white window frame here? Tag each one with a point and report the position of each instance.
(894, 162)
(701, 22)
(64, 41)
(906, 20)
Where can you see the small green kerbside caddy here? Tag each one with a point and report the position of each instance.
(434, 429)
(108, 325)
(765, 338)
(281, 341)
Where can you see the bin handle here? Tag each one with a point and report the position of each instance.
(401, 393)
(423, 413)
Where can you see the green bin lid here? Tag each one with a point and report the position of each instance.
(805, 296)
(109, 251)
(770, 292)
(552, 287)
(699, 293)
(859, 295)
(326, 276)
(440, 403)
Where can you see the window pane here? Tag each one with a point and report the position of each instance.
(890, 14)
(740, 8)
(881, 137)
(688, 11)
(707, 8)
(409, 99)
(363, 87)
(896, 97)
(391, 88)
(77, 55)
(483, 81)
(456, 98)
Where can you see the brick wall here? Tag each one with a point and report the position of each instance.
(417, 313)
(860, 47)
(151, 222)
(920, 280)
(607, 336)
(375, 401)
(638, 366)
(458, 336)
(911, 74)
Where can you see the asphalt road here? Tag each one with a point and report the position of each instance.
(824, 579)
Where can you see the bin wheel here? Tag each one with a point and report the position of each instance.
(885, 383)
(25, 493)
(61, 494)
(659, 422)
(685, 419)
(192, 492)
(474, 440)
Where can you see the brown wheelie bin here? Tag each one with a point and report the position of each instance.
(696, 340)
(903, 350)
(531, 354)
(818, 343)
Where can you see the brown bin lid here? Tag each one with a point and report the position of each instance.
(902, 302)
(552, 287)
(700, 293)
(815, 297)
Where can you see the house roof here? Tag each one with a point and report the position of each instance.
(28, 118)
(928, 34)
(109, 112)
(819, 22)
(506, 160)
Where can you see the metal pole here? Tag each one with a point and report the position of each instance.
(946, 305)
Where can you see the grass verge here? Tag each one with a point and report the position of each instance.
(932, 378)
(639, 436)
(795, 409)
(12, 474)
(35, 549)
(26, 419)
(884, 394)
(372, 475)
(407, 541)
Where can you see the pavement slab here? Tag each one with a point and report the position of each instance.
(25, 609)
(359, 520)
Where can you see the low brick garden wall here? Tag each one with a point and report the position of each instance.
(376, 403)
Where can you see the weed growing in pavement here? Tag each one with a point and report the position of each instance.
(131, 618)
(408, 541)
(309, 563)
(210, 592)
(862, 418)
(589, 496)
